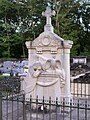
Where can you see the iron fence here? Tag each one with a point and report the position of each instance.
(14, 106)
(10, 85)
(80, 87)
(17, 108)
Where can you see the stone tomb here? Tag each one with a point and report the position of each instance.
(49, 64)
(80, 60)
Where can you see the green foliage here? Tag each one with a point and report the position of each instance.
(73, 23)
(21, 21)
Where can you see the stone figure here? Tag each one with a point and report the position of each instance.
(47, 77)
(60, 71)
(54, 66)
(35, 70)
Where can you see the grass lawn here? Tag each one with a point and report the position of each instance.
(3, 76)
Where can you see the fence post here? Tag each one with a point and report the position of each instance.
(37, 107)
(30, 107)
(78, 110)
(0, 105)
(85, 109)
(71, 109)
(56, 106)
(63, 107)
(24, 111)
(43, 107)
(49, 108)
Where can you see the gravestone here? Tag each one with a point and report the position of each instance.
(49, 64)
(80, 60)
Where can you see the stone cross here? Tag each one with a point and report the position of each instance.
(48, 13)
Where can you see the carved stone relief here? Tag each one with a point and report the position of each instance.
(50, 68)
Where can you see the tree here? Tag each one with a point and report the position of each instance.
(21, 20)
(81, 20)
(69, 26)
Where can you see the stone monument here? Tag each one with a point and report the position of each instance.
(49, 64)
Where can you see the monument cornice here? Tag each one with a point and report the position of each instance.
(39, 43)
(68, 44)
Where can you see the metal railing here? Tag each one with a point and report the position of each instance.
(80, 87)
(17, 108)
(14, 105)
